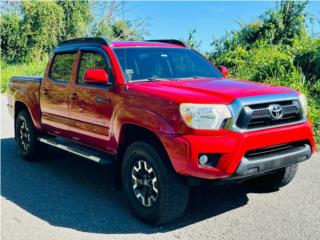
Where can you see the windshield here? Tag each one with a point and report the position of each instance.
(147, 64)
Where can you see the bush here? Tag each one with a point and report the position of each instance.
(13, 38)
(277, 65)
(308, 59)
(276, 49)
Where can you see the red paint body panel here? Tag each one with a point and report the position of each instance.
(219, 91)
(73, 111)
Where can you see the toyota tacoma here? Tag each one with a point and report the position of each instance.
(164, 116)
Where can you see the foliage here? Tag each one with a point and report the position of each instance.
(31, 29)
(117, 30)
(43, 26)
(307, 57)
(77, 17)
(284, 24)
(191, 40)
(111, 26)
(13, 38)
(277, 50)
(281, 25)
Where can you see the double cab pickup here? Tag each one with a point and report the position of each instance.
(163, 116)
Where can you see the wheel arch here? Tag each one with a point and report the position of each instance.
(130, 133)
(33, 113)
(20, 106)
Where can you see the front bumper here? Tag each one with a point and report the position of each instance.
(269, 162)
(232, 147)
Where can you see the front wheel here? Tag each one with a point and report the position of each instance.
(156, 194)
(278, 179)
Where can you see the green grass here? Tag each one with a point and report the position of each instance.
(25, 69)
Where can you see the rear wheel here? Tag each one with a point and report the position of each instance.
(277, 179)
(26, 137)
(156, 194)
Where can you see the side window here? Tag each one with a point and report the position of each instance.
(90, 60)
(61, 68)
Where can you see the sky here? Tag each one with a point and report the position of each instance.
(211, 19)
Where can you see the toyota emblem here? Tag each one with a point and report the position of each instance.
(276, 111)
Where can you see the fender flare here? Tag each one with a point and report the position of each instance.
(126, 114)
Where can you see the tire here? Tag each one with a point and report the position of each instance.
(26, 137)
(277, 179)
(164, 194)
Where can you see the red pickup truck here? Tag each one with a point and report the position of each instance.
(164, 116)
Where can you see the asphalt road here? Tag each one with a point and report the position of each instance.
(65, 197)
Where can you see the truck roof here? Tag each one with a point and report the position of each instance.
(118, 44)
(152, 43)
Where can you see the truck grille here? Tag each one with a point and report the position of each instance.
(269, 114)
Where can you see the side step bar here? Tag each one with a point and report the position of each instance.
(78, 150)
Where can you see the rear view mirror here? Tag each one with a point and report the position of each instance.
(224, 70)
(95, 76)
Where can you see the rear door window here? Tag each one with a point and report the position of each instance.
(61, 69)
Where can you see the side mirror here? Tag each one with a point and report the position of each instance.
(224, 70)
(95, 76)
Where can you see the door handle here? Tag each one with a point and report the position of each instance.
(74, 96)
(45, 91)
(103, 100)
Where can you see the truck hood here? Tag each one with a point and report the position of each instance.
(219, 91)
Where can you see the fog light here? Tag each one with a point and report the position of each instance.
(203, 159)
(210, 160)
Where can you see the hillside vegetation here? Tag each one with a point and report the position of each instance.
(276, 49)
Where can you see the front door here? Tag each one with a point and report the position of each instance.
(91, 105)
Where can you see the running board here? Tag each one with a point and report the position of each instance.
(78, 150)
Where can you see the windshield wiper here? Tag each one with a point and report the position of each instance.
(151, 79)
(197, 77)
(192, 77)
(154, 79)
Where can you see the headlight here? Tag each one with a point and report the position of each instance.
(304, 104)
(204, 116)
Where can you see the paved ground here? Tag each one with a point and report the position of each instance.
(64, 197)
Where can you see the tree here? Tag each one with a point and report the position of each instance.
(281, 25)
(109, 24)
(276, 49)
(118, 30)
(77, 17)
(31, 29)
(13, 38)
(191, 41)
(43, 25)
(286, 22)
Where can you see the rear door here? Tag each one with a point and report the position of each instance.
(54, 94)
(91, 105)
